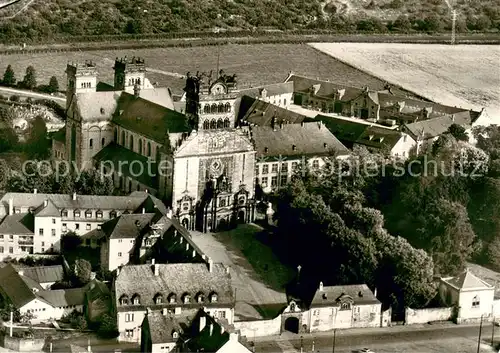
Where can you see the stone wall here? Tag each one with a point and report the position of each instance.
(259, 328)
(422, 316)
(23, 344)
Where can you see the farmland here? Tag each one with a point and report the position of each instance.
(463, 75)
(254, 64)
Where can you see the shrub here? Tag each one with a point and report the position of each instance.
(107, 328)
(15, 98)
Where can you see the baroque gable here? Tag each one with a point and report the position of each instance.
(214, 143)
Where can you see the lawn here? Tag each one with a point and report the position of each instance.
(463, 75)
(254, 64)
(250, 239)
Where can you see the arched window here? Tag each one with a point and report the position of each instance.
(138, 81)
(112, 214)
(175, 335)
(227, 124)
(213, 124)
(158, 298)
(131, 142)
(220, 108)
(345, 306)
(115, 137)
(149, 149)
(172, 298)
(103, 142)
(284, 101)
(140, 146)
(206, 125)
(213, 109)
(136, 299)
(123, 138)
(220, 124)
(228, 107)
(206, 108)
(91, 143)
(213, 297)
(124, 300)
(200, 297)
(186, 298)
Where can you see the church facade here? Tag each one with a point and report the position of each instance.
(203, 161)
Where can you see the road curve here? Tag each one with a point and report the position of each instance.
(25, 93)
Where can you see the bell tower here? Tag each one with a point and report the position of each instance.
(129, 73)
(80, 78)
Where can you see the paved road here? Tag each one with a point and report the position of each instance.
(424, 339)
(24, 93)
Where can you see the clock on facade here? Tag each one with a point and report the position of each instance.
(216, 168)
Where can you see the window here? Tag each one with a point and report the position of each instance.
(274, 181)
(1, 249)
(88, 226)
(120, 240)
(158, 299)
(136, 300)
(77, 226)
(316, 312)
(91, 143)
(99, 214)
(284, 167)
(11, 238)
(1, 236)
(129, 333)
(119, 254)
(112, 214)
(475, 302)
(283, 180)
(264, 182)
(53, 221)
(149, 149)
(65, 226)
(175, 335)
(345, 306)
(88, 214)
(274, 168)
(40, 232)
(187, 298)
(222, 314)
(213, 298)
(77, 213)
(265, 169)
(129, 317)
(257, 170)
(53, 232)
(43, 243)
(315, 164)
(222, 203)
(11, 250)
(171, 298)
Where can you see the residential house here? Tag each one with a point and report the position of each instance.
(335, 307)
(172, 289)
(376, 138)
(34, 223)
(286, 148)
(160, 333)
(472, 297)
(28, 296)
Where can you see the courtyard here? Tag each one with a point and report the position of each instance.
(258, 277)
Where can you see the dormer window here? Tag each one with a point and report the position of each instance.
(200, 297)
(370, 137)
(213, 297)
(381, 139)
(112, 214)
(186, 298)
(266, 149)
(136, 299)
(123, 300)
(64, 213)
(99, 214)
(175, 335)
(345, 306)
(102, 110)
(158, 298)
(88, 214)
(172, 298)
(77, 213)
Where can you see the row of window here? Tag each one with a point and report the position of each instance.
(143, 148)
(284, 167)
(11, 237)
(88, 214)
(91, 142)
(172, 298)
(11, 250)
(86, 85)
(41, 230)
(264, 181)
(217, 108)
(211, 124)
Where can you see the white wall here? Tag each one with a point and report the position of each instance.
(186, 177)
(40, 309)
(118, 247)
(485, 307)
(47, 240)
(403, 147)
(134, 325)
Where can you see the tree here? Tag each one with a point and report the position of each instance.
(30, 78)
(107, 328)
(458, 132)
(53, 85)
(8, 139)
(9, 78)
(493, 253)
(37, 144)
(83, 270)
(70, 241)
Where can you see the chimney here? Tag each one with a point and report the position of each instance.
(281, 125)
(143, 210)
(74, 196)
(156, 270)
(375, 292)
(320, 286)
(273, 123)
(45, 203)
(210, 264)
(11, 207)
(152, 261)
(35, 191)
(211, 328)
(169, 213)
(137, 90)
(453, 118)
(203, 322)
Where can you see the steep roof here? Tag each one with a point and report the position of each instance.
(258, 112)
(44, 274)
(97, 105)
(179, 278)
(149, 119)
(117, 154)
(14, 287)
(360, 294)
(324, 88)
(437, 126)
(209, 338)
(308, 139)
(158, 95)
(60, 135)
(63, 297)
(18, 223)
(161, 327)
(65, 201)
(96, 289)
(467, 280)
(50, 210)
(127, 226)
(273, 89)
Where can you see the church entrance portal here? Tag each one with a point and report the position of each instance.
(185, 223)
(364, 113)
(241, 217)
(292, 324)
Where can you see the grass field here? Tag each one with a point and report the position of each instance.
(463, 75)
(254, 64)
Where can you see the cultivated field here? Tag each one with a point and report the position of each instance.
(254, 64)
(464, 75)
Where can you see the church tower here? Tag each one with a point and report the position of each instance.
(129, 73)
(210, 102)
(80, 78)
